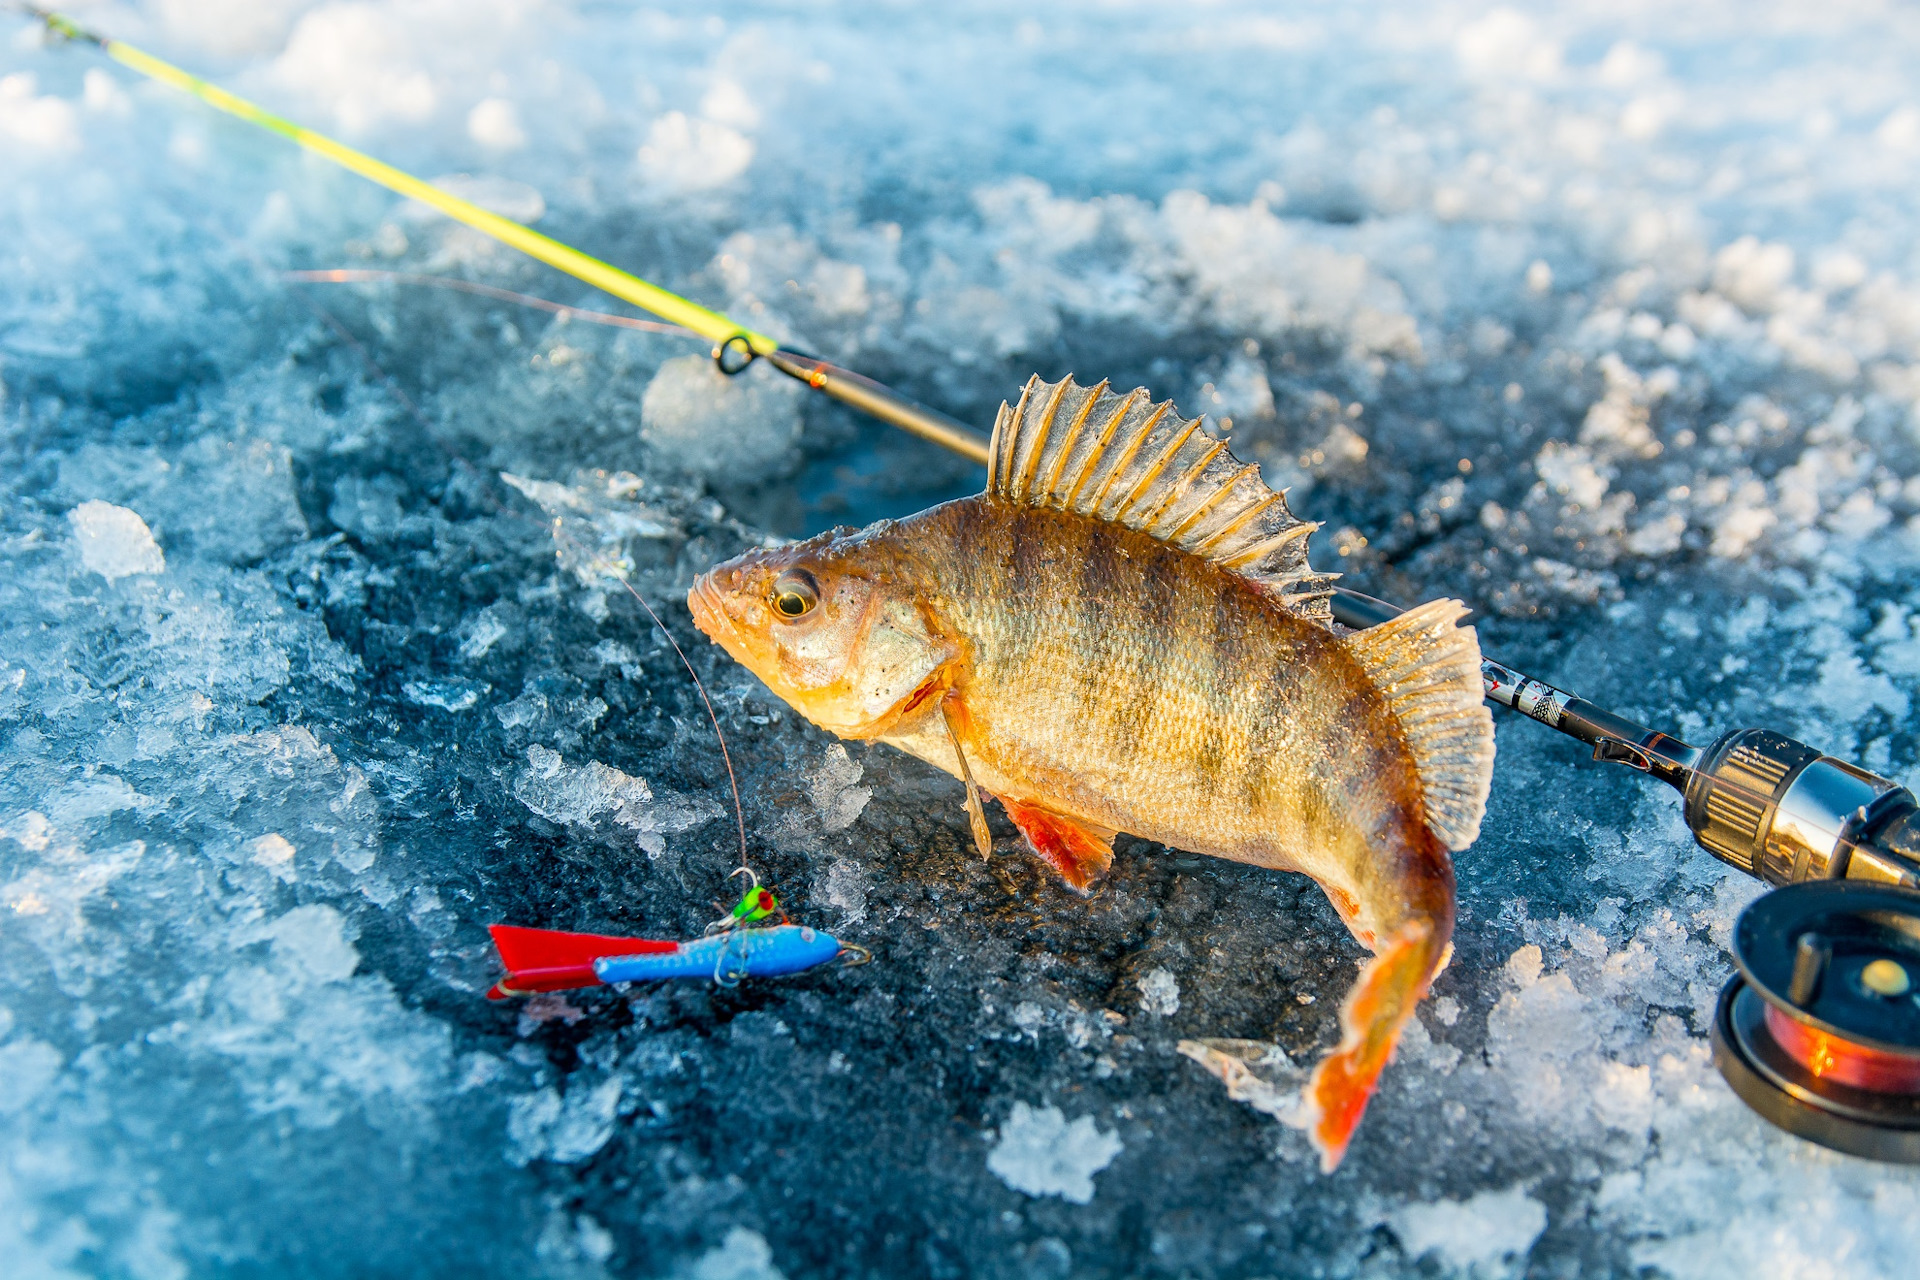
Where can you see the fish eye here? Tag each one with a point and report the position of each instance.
(795, 594)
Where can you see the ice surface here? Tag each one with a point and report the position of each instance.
(315, 658)
(1039, 1153)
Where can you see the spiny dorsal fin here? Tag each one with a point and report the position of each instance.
(1126, 460)
(1429, 671)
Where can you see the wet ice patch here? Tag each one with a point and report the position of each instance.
(1039, 1153)
(1487, 1234)
(114, 542)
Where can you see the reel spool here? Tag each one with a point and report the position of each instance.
(1820, 1030)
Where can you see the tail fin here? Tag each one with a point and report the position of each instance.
(550, 960)
(1394, 981)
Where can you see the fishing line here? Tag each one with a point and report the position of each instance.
(355, 275)
(739, 814)
(351, 275)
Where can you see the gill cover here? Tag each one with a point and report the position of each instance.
(820, 624)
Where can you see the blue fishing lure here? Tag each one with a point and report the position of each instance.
(548, 960)
(728, 957)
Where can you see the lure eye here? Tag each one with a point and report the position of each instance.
(794, 594)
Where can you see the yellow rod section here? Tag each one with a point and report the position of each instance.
(650, 297)
(843, 385)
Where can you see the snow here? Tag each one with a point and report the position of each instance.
(1039, 1153)
(114, 542)
(1474, 1235)
(316, 657)
(743, 1255)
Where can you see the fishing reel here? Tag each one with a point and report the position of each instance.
(1819, 1031)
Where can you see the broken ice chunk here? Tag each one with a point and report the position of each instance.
(544, 1125)
(1159, 993)
(1252, 1071)
(594, 518)
(274, 852)
(743, 1255)
(840, 802)
(686, 153)
(484, 630)
(846, 888)
(578, 795)
(312, 942)
(1040, 1154)
(743, 428)
(449, 695)
(114, 542)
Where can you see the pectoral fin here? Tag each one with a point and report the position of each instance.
(976, 812)
(1080, 853)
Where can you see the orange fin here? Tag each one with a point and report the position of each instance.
(1080, 853)
(1394, 981)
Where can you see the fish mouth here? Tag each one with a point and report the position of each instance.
(709, 609)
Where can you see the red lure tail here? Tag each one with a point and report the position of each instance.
(550, 960)
(1394, 981)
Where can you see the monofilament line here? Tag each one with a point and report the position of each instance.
(739, 814)
(355, 275)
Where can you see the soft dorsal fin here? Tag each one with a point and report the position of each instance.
(1126, 460)
(1428, 669)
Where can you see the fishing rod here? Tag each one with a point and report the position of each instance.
(1820, 1029)
(734, 345)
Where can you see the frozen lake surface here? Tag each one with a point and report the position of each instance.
(1603, 317)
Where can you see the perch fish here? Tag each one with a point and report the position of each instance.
(1123, 634)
